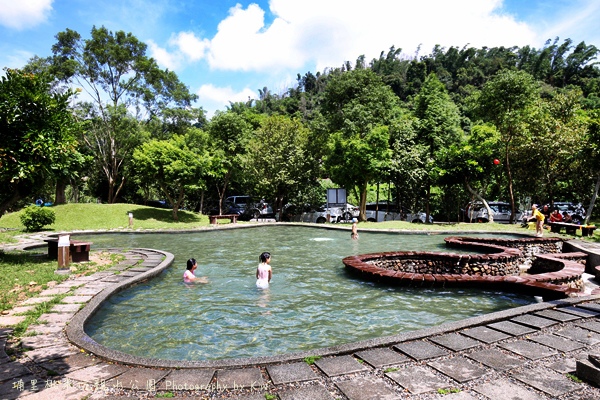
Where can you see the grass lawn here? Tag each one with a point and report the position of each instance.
(89, 216)
(25, 274)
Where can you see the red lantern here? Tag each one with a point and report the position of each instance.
(496, 161)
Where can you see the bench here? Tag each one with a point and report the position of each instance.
(231, 217)
(557, 227)
(78, 250)
(586, 230)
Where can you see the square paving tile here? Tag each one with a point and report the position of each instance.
(455, 341)
(88, 291)
(496, 359)
(590, 306)
(485, 334)
(418, 379)
(12, 370)
(66, 308)
(316, 392)
(530, 350)
(295, 372)
(421, 350)
(382, 357)
(499, 389)
(557, 315)
(98, 372)
(44, 329)
(458, 368)
(367, 389)
(579, 334)
(62, 366)
(511, 328)
(534, 321)
(54, 291)
(592, 325)
(19, 387)
(56, 392)
(55, 318)
(38, 341)
(115, 279)
(240, 378)
(184, 379)
(547, 381)
(138, 378)
(51, 352)
(557, 342)
(565, 366)
(11, 320)
(582, 312)
(334, 366)
(36, 300)
(76, 299)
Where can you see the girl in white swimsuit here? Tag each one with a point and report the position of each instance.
(263, 272)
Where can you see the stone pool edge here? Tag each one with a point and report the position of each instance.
(76, 334)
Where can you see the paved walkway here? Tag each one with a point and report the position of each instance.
(524, 353)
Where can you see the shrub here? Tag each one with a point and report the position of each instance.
(34, 218)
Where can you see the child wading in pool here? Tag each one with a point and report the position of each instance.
(188, 275)
(354, 234)
(263, 272)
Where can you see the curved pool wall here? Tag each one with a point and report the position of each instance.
(76, 334)
(550, 274)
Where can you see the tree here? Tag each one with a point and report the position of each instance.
(277, 161)
(358, 107)
(229, 132)
(36, 127)
(506, 102)
(172, 166)
(114, 71)
(439, 125)
(470, 163)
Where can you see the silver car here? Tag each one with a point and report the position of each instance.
(476, 212)
(335, 213)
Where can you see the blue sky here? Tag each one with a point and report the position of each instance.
(226, 50)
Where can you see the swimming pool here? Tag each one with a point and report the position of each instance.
(312, 301)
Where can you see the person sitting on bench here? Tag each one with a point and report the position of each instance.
(556, 216)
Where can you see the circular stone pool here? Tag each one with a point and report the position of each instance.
(312, 301)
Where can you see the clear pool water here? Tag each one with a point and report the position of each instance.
(312, 302)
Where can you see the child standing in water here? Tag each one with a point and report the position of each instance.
(354, 234)
(188, 275)
(263, 272)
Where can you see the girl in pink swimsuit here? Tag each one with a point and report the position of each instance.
(188, 275)
(263, 272)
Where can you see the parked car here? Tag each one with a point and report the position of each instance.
(476, 212)
(418, 217)
(246, 208)
(383, 211)
(337, 213)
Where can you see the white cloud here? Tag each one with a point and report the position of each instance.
(22, 14)
(214, 98)
(162, 56)
(327, 33)
(190, 45)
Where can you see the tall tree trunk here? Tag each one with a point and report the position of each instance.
(588, 213)
(59, 196)
(510, 187)
(480, 198)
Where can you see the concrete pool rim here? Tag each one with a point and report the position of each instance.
(76, 334)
